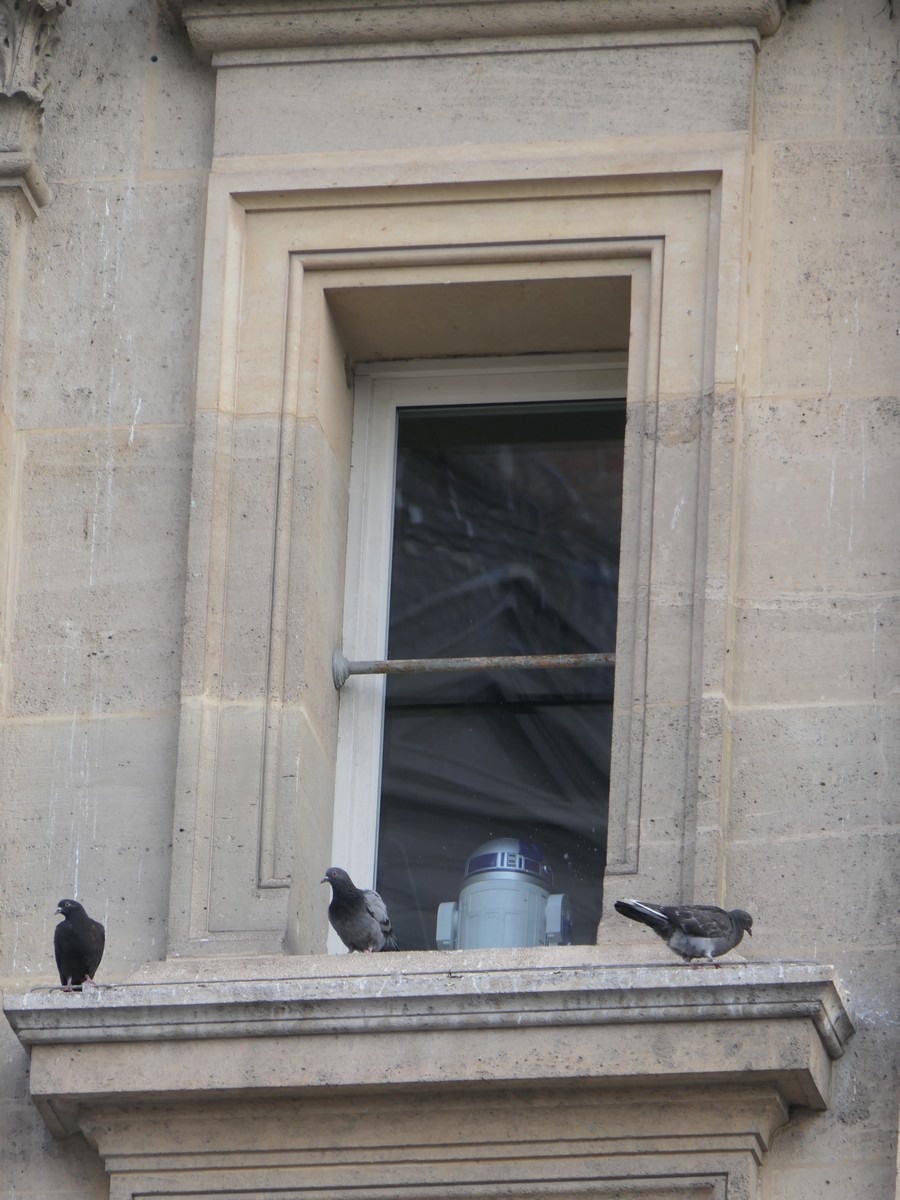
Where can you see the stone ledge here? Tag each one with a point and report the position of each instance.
(402, 1021)
(401, 992)
(233, 26)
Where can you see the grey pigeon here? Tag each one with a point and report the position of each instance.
(78, 941)
(358, 916)
(691, 930)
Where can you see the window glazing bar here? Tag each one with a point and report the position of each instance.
(342, 668)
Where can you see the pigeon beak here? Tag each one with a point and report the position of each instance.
(324, 879)
(749, 933)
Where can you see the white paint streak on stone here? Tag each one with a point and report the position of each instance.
(863, 468)
(75, 873)
(134, 417)
(875, 649)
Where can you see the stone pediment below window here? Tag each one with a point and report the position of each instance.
(271, 1029)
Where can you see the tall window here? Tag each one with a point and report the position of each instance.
(504, 541)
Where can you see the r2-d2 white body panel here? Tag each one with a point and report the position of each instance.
(505, 900)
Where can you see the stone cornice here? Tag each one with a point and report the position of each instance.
(361, 1022)
(228, 27)
(384, 1000)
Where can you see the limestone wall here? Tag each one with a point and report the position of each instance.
(97, 439)
(101, 327)
(813, 805)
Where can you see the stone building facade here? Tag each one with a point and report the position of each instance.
(235, 235)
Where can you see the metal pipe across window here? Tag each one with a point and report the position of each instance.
(342, 668)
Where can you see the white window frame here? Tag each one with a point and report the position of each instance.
(380, 390)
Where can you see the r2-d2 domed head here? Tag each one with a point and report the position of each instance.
(510, 854)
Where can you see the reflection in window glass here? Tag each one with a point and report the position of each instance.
(506, 541)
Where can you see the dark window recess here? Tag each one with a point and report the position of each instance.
(506, 541)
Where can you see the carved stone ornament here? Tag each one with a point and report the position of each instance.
(29, 39)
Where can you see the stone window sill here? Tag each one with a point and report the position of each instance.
(271, 1028)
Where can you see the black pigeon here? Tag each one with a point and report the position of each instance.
(358, 916)
(691, 930)
(78, 941)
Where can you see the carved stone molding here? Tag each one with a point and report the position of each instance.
(225, 27)
(20, 131)
(28, 38)
(27, 46)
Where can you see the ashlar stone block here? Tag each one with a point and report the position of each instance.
(180, 101)
(829, 323)
(813, 771)
(113, 275)
(84, 817)
(99, 89)
(796, 94)
(803, 650)
(870, 104)
(408, 100)
(794, 869)
(67, 1169)
(97, 623)
(827, 465)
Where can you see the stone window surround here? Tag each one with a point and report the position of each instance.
(270, 487)
(274, 353)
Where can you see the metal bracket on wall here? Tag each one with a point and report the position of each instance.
(342, 668)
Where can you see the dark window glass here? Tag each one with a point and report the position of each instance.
(506, 541)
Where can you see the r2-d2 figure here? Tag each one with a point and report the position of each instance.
(505, 900)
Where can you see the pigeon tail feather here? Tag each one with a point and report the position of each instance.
(645, 914)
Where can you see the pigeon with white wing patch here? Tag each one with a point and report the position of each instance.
(691, 930)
